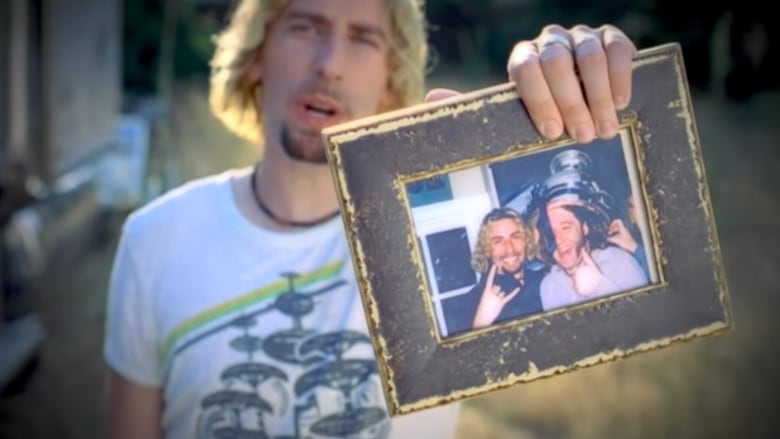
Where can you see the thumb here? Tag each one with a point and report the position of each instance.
(438, 94)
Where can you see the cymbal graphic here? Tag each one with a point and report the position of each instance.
(349, 422)
(246, 343)
(284, 346)
(252, 373)
(342, 375)
(236, 400)
(334, 343)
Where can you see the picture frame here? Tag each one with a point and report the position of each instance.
(419, 189)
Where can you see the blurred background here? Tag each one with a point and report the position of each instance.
(103, 108)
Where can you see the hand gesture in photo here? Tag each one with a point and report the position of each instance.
(619, 235)
(492, 301)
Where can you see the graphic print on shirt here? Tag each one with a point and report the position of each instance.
(293, 382)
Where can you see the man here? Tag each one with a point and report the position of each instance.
(507, 289)
(233, 308)
(575, 237)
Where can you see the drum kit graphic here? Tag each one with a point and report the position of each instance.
(238, 409)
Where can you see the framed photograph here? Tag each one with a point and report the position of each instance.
(487, 256)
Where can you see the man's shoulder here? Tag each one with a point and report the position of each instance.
(553, 271)
(185, 202)
(611, 252)
(535, 275)
(615, 260)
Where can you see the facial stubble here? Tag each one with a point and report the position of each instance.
(297, 150)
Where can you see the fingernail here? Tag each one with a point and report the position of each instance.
(620, 102)
(551, 129)
(583, 133)
(607, 129)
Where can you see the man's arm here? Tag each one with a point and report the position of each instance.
(133, 403)
(133, 411)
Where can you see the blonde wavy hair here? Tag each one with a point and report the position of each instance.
(232, 95)
(480, 260)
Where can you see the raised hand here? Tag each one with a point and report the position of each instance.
(619, 235)
(492, 301)
(575, 79)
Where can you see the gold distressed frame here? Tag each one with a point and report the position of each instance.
(373, 159)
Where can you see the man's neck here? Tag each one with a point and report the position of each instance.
(516, 275)
(292, 190)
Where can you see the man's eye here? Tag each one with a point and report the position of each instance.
(366, 40)
(302, 27)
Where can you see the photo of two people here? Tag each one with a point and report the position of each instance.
(542, 231)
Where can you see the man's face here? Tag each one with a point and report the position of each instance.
(569, 235)
(323, 62)
(507, 247)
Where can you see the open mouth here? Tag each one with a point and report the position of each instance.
(319, 111)
(565, 252)
(511, 262)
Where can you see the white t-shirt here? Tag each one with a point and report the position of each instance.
(246, 329)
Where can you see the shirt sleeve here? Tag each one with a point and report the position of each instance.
(130, 345)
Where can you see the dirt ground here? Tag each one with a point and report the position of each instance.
(720, 386)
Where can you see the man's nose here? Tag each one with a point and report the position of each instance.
(330, 58)
(509, 247)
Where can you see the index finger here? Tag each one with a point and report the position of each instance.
(491, 275)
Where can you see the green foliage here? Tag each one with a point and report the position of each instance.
(143, 24)
(194, 45)
(471, 38)
(141, 44)
(474, 38)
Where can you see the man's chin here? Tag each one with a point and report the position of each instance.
(512, 270)
(314, 158)
(308, 150)
(566, 264)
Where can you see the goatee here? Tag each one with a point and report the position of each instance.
(297, 150)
